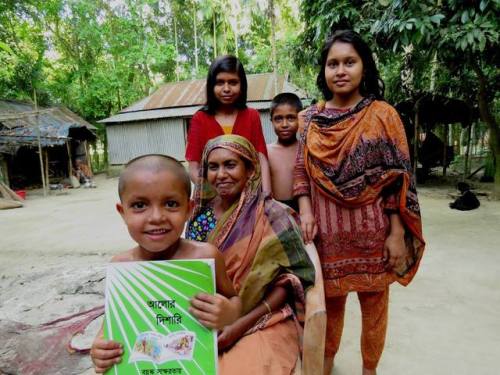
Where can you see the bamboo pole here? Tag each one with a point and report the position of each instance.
(4, 171)
(273, 45)
(195, 27)
(214, 35)
(40, 151)
(47, 167)
(87, 156)
(176, 51)
(415, 140)
(70, 163)
(467, 151)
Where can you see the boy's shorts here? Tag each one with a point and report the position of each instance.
(292, 203)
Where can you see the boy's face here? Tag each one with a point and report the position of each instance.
(155, 207)
(285, 122)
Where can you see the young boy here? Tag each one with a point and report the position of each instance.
(154, 203)
(284, 116)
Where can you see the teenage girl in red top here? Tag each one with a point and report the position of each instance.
(226, 112)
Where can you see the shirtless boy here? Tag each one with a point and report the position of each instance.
(154, 203)
(284, 116)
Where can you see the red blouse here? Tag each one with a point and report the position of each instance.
(204, 127)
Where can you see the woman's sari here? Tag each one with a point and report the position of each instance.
(262, 247)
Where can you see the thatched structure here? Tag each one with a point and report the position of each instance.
(422, 114)
(37, 144)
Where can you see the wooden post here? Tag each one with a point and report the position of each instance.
(4, 171)
(87, 156)
(40, 151)
(445, 148)
(467, 152)
(70, 165)
(47, 167)
(274, 60)
(415, 139)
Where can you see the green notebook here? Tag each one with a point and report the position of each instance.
(147, 311)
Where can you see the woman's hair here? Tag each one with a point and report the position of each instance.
(371, 83)
(225, 64)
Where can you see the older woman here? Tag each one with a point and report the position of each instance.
(264, 255)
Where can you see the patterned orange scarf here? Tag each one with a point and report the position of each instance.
(355, 157)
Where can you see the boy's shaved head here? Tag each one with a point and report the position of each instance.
(155, 163)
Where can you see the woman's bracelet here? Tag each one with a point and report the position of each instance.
(267, 306)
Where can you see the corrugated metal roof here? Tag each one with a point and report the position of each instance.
(152, 114)
(186, 97)
(166, 113)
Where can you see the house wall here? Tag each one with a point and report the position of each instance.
(129, 140)
(165, 136)
(267, 126)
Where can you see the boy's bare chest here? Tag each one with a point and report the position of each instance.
(282, 155)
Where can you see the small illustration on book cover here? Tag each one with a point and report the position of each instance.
(158, 348)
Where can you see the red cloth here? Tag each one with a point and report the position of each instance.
(204, 127)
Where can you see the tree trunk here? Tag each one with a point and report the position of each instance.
(445, 148)
(105, 149)
(176, 51)
(434, 68)
(273, 44)
(236, 32)
(416, 126)
(215, 34)
(195, 27)
(407, 71)
(224, 27)
(467, 152)
(489, 119)
(119, 98)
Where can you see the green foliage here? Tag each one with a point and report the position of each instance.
(97, 57)
(489, 167)
(21, 52)
(449, 47)
(461, 32)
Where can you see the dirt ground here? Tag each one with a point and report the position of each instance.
(53, 253)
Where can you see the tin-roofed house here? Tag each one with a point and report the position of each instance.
(61, 135)
(159, 123)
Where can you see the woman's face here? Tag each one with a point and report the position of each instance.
(227, 173)
(227, 88)
(343, 70)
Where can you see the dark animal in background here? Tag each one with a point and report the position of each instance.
(467, 201)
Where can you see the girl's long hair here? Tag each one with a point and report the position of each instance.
(225, 64)
(371, 83)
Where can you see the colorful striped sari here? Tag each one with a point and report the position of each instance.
(258, 236)
(262, 247)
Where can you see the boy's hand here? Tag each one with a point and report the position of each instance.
(105, 353)
(214, 311)
(308, 226)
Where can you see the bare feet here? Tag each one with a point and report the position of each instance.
(369, 372)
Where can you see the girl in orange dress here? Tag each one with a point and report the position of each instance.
(356, 194)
